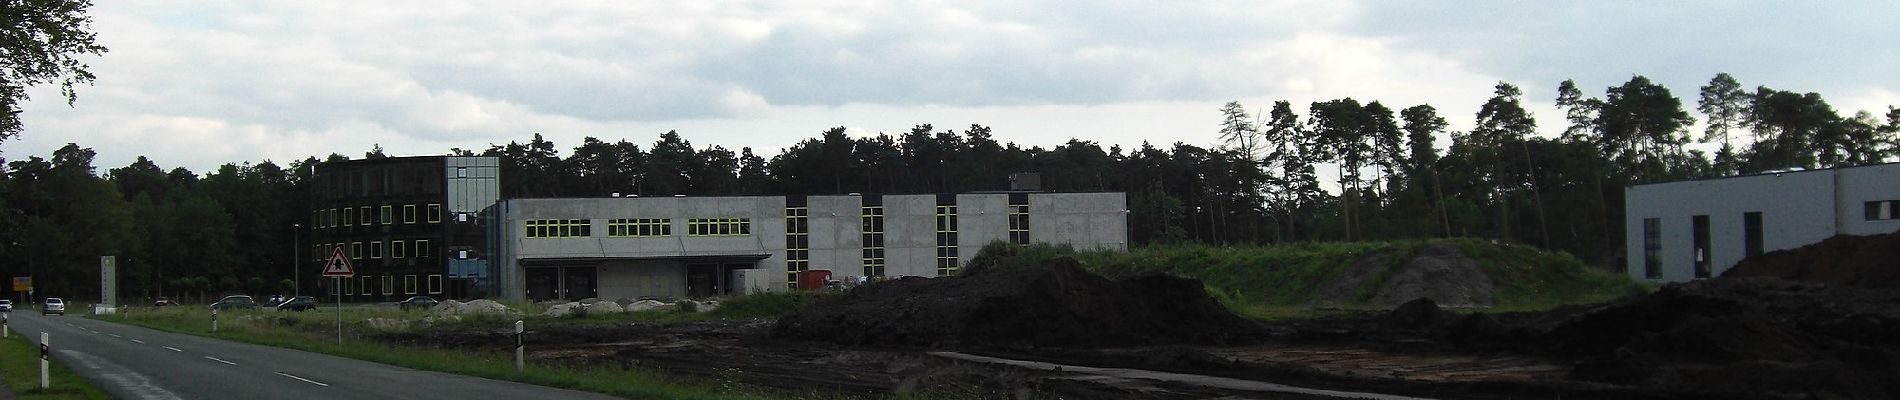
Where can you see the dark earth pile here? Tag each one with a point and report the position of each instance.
(1727, 338)
(1867, 261)
(1055, 304)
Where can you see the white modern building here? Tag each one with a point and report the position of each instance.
(1685, 230)
(655, 247)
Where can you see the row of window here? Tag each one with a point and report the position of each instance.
(718, 226)
(797, 243)
(639, 227)
(397, 249)
(946, 240)
(385, 215)
(557, 228)
(386, 284)
(873, 235)
(1701, 254)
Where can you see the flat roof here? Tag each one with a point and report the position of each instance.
(1765, 173)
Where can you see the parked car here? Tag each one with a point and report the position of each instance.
(237, 301)
(299, 303)
(275, 300)
(6, 305)
(161, 301)
(422, 302)
(53, 305)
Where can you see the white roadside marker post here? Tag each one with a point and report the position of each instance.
(214, 318)
(6, 328)
(45, 350)
(519, 328)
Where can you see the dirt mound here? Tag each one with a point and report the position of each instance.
(1865, 261)
(1055, 304)
(1442, 273)
(1743, 337)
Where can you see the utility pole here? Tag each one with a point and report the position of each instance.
(296, 260)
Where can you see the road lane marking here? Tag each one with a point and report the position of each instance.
(114, 335)
(216, 359)
(138, 341)
(173, 349)
(302, 379)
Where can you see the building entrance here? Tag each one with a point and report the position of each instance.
(562, 283)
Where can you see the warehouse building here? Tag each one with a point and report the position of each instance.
(658, 247)
(408, 225)
(1686, 230)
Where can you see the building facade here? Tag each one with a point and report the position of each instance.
(657, 247)
(408, 225)
(1680, 231)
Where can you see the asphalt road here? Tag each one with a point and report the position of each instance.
(138, 363)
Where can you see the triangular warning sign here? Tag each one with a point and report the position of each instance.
(338, 265)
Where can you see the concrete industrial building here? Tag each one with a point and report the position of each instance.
(409, 225)
(634, 247)
(1679, 231)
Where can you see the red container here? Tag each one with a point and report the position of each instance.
(813, 279)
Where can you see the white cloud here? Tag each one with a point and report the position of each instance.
(209, 83)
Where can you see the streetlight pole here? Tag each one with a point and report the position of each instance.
(296, 260)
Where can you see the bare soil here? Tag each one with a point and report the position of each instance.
(1163, 338)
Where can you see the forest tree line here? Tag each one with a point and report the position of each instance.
(1335, 170)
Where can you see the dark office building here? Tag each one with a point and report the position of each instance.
(409, 225)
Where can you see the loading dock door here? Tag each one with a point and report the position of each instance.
(702, 280)
(561, 283)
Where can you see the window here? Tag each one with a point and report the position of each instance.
(435, 213)
(872, 219)
(1703, 266)
(389, 284)
(409, 284)
(639, 227)
(388, 215)
(408, 213)
(345, 286)
(422, 248)
(797, 240)
(1652, 248)
(946, 239)
(461, 172)
(1883, 210)
(362, 215)
(396, 249)
(368, 285)
(1751, 233)
(356, 250)
(435, 284)
(1019, 224)
(718, 226)
(349, 218)
(557, 228)
(376, 249)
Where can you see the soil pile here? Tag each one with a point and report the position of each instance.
(1866, 261)
(1742, 338)
(1056, 304)
(1442, 273)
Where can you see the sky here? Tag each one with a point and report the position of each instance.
(201, 84)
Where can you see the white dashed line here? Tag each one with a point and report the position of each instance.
(173, 349)
(302, 379)
(114, 335)
(138, 341)
(216, 359)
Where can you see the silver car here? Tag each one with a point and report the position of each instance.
(53, 306)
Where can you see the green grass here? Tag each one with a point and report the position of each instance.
(20, 367)
(316, 332)
(1284, 281)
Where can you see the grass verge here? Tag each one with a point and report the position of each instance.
(316, 332)
(20, 368)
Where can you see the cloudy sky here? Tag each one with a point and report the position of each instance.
(213, 82)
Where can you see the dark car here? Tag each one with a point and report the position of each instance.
(299, 303)
(422, 302)
(234, 302)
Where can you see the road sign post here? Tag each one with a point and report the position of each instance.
(338, 268)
